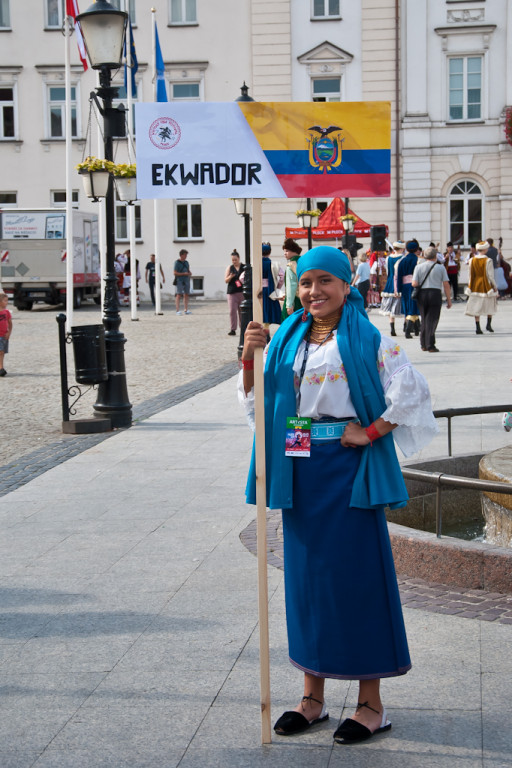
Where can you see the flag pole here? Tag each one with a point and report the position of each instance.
(156, 207)
(131, 205)
(261, 500)
(69, 191)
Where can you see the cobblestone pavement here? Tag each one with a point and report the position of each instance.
(414, 593)
(167, 359)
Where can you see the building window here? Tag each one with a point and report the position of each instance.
(122, 221)
(197, 285)
(54, 11)
(466, 213)
(7, 125)
(58, 198)
(182, 12)
(57, 112)
(186, 81)
(125, 5)
(8, 199)
(325, 9)
(188, 220)
(5, 16)
(465, 87)
(326, 88)
(185, 92)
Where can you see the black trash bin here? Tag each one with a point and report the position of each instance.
(90, 356)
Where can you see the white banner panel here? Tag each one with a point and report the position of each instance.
(199, 150)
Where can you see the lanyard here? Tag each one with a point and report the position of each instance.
(305, 360)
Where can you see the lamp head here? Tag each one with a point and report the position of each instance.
(103, 28)
(245, 93)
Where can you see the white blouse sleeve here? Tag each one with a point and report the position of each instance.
(407, 399)
(247, 400)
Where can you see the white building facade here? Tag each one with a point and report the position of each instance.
(443, 64)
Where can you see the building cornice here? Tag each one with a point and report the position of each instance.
(485, 30)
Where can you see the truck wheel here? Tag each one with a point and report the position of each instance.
(77, 298)
(23, 305)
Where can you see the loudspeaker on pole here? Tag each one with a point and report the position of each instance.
(378, 238)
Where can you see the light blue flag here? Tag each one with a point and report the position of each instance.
(161, 91)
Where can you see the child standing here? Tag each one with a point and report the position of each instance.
(5, 330)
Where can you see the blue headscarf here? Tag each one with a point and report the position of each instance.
(327, 258)
(378, 481)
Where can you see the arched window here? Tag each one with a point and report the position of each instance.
(465, 204)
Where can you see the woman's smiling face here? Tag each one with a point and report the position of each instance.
(321, 293)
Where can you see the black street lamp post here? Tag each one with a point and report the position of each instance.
(310, 223)
(243, 208)
(103, 28)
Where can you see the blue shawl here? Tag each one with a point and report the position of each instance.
(379, 481)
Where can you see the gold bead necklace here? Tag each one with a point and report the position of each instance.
(322, 327)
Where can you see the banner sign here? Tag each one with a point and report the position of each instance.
(36, 225)
(263, 149)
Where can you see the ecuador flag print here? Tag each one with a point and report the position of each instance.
(324, 149)
(263, 149)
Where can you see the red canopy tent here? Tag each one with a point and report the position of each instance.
(329, 224)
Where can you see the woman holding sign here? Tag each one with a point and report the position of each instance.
(331, 375)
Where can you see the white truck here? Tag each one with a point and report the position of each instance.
(33, 256)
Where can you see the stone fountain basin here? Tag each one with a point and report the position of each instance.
(454, 562)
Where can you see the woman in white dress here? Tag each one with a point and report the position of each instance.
(331, 365)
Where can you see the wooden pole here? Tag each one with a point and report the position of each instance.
(261, 500)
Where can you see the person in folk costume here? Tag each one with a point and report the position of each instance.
(330, 364)
(481, 290)
(292, 251)
(390, 298)
(270, 281)
(404, 284)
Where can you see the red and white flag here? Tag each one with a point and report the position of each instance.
(72, 10)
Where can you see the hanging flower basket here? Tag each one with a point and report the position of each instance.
(124, 170)
(508, 124)
(306, 217)
(126, 188)
(125, 175)
(95, 183)
(95, 173)
(348, 222)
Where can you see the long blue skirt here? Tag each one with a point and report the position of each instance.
(343, 610)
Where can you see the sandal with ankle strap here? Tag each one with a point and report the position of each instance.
(293, 722)
(351, 732)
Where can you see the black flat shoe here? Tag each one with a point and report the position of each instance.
(293, 722)
(352, 732)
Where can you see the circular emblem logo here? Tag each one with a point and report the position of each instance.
(164, 133)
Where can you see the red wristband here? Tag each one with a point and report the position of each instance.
(373, 433)
(248, 365)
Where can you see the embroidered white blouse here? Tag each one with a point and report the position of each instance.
(324, 392)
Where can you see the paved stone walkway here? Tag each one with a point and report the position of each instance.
(414, 593)
(164, 355)
(25, 468)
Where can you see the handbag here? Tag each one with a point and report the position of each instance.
(416, 291)
(175, 281)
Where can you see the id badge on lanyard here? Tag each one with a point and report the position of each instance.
(298, 436)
